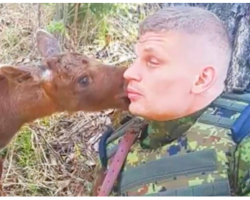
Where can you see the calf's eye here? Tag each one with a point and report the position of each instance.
(83, 81)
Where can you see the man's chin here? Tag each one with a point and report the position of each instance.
(137, 110)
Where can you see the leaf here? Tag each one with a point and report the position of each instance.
(27, 60)
(19, 59)
(63, 184)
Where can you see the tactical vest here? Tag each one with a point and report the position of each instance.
(204, 167)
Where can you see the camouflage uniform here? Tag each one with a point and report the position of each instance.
(191, 156)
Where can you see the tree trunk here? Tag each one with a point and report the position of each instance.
(237, 19)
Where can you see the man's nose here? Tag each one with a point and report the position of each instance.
(132, 73)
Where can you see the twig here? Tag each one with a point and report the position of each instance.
(77, 5)
(39, 14)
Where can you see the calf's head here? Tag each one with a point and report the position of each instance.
(77, 82)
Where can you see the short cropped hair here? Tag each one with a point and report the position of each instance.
(191, 20)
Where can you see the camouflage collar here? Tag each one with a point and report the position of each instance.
(157, 133)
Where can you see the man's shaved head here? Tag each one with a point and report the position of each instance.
(183, 55)
(205, 27)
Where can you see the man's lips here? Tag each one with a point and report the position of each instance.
(133, 94)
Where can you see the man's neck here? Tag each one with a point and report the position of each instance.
(203, 101)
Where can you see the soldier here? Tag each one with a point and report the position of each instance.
(196, 141)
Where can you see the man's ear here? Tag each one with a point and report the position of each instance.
(46, 43)
(204, 80)
(16, 74)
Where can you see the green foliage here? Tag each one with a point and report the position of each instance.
(56, 27)
(47, 4)
(10, 38)
(23, 145)
(92, 16)
(3, 152)
(102, 11)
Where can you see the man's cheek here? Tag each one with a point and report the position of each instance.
(159, 89)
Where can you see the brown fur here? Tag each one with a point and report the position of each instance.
(27, 93)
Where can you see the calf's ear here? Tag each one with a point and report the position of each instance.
(16, 74)
(46, 43)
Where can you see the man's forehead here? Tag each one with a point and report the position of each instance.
(164, 40)
(154, 36)
(151, 43)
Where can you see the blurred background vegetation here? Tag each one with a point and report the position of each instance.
(55, 156)
(88, 27)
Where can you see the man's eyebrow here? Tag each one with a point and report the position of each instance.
(149, 49)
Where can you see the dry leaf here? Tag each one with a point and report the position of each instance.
(26, 60)
(19, 59)
(63, 184)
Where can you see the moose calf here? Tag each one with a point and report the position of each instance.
(62, 82)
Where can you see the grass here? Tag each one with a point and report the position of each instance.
(56, 155)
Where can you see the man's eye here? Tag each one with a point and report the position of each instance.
(153, 62)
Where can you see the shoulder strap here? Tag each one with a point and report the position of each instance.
(121, 154)
(110, 135)
(239, 127)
